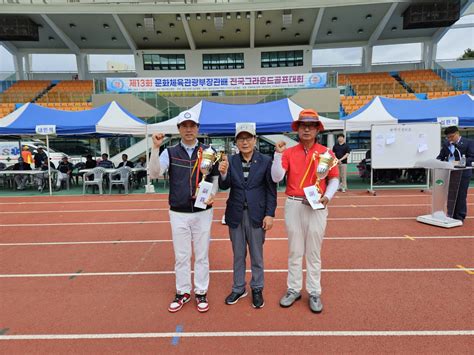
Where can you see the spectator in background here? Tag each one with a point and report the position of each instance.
(341, 150)
(40, 178)
(20, 179)
(64, 171)
(125, 162)
(141, 164)
(105, 162)
(40, 157)
(90, 163)
(26, 155)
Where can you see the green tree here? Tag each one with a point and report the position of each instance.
(468, 54)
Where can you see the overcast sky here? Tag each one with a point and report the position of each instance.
(451, 46)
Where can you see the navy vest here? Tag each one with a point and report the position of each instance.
(182, 183)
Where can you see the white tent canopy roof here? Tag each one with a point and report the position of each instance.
(373, 113)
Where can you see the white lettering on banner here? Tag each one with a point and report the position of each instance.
(250, 82)
(46, 129)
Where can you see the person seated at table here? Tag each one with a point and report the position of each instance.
(26, 155)
(39, 178)
(40, 157)
(125, 162)
(141, 164)
(64, 171)
(105, 162)
(90, 163)
(21, 179)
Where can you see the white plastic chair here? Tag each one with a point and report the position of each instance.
(124, 178)
(98, 174)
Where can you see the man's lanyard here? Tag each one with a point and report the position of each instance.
(197, 164)
(311, 162)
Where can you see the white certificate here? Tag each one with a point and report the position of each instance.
(313, 196)
(205, 189)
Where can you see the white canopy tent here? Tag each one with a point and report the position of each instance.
(363, 119)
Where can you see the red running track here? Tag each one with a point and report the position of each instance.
(390, 284)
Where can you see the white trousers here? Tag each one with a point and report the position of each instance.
(191, 231)
(305, 228)
(61, 177)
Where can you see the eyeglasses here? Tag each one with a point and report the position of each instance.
(308, 126)
(244, 139)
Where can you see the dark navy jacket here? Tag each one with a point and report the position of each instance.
(259, 192)
(465, 147)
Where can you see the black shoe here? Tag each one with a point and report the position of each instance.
(234, 297)
(257, 299)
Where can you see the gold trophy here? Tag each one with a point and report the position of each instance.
(326, 163)
(209, 158)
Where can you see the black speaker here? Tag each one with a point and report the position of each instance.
(18, 28)
(431, 14)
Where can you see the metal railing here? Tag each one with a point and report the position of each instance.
(447, 76)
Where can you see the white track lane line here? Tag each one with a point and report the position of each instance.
(215, 208)
(155, 273)
(309, 333)
(339, 197)
(340, 219)
(223, 239)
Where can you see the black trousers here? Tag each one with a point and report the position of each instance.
(460, 209)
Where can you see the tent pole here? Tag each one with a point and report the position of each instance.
(49, 167)
(146, 156)
(149, 188)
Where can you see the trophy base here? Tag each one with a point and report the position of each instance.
(203, 193)
(444, 221)
(149, 189)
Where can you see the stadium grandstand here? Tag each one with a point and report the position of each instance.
(208, 39)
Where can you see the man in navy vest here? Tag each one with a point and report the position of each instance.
(190, 226)
(250, 210)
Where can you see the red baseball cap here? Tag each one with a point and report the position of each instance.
(308, 116)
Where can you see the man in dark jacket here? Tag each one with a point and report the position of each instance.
(125, 162)
(40, 157)
(454, 149)
(250, 210)
(64, 171)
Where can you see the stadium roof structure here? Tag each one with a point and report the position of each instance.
(126, 26)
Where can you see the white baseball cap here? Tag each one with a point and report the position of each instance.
(249, 127)
(187, 116)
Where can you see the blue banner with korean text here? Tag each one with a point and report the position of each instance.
(248, 82)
